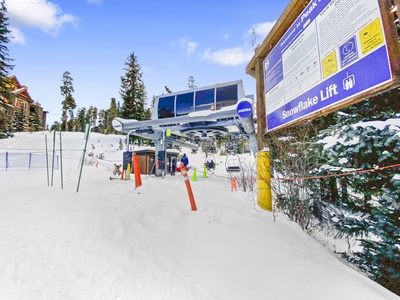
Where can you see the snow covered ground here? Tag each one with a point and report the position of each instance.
(112, 241)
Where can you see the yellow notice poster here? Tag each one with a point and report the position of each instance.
(329, 65)
(371, 36)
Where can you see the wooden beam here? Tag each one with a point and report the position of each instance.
(260, 95)
(392, 38)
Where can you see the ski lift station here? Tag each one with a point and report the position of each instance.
(185, 118)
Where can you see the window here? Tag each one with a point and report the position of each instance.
(227, 95)
(21, 104)
(184, 104)
(166, 107)
(204, 99)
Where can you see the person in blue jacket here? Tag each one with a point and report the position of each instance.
(173, 169)
(185, 160)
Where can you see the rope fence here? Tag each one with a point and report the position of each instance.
(35, 160)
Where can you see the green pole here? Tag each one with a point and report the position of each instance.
(47, 161)
(54, 154)
(83, 155)
(62, 182)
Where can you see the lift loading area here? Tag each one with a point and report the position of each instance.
(185, 118)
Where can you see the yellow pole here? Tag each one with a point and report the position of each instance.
(128, 173)
(264, 195)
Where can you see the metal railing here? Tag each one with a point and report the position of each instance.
(27, 160)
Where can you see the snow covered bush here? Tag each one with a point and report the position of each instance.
(340, 174)
(368, 198)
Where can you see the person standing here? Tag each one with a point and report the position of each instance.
(185, 160)
(173, 169)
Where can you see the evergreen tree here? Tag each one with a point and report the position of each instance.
(5, 61)
(112, 113)
(103, 119)
(119, 109)
(68, 105)
(132, 91)
(153, 100)
(35, 121)
(367, 203)
(363, 206)
(147, 114)
(6, 118)
(91, 116)
(20, 120)
(81, 119)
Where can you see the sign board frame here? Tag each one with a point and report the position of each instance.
(324, 56)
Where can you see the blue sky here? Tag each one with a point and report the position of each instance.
(92, 39)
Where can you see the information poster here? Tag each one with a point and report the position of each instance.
(335, 50)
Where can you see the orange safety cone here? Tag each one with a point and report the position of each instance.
(136, 170)
(97, 164)
(233, 185)
(122, 174)
(188, 187)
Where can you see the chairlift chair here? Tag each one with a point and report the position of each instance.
(210, 161)
(232, 163)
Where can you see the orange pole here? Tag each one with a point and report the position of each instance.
(233, 185)
(138, 179)
(188, 187)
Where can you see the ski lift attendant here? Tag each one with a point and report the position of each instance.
(185, 160)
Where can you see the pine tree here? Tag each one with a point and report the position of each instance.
(20, 120)
(35, 121)
(81, 119)
(103, 119)
(5, 61)
(68, 105)
(91, 116)
(132, 91)
(111, 115)
(6, 119)
(368, 202)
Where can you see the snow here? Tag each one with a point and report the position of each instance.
(112, 241)
(393, 124)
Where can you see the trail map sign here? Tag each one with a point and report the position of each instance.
(335, 50)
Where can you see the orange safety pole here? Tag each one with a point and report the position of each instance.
(122, 174)
(233, 185)
(188, 187)
(136, 170)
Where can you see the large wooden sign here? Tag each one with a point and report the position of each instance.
(332, 54)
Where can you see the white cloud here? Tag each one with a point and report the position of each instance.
(16, 36)
(261, 30)
(229, 57)
(41, 14)
(239, 54)
(189, 46)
